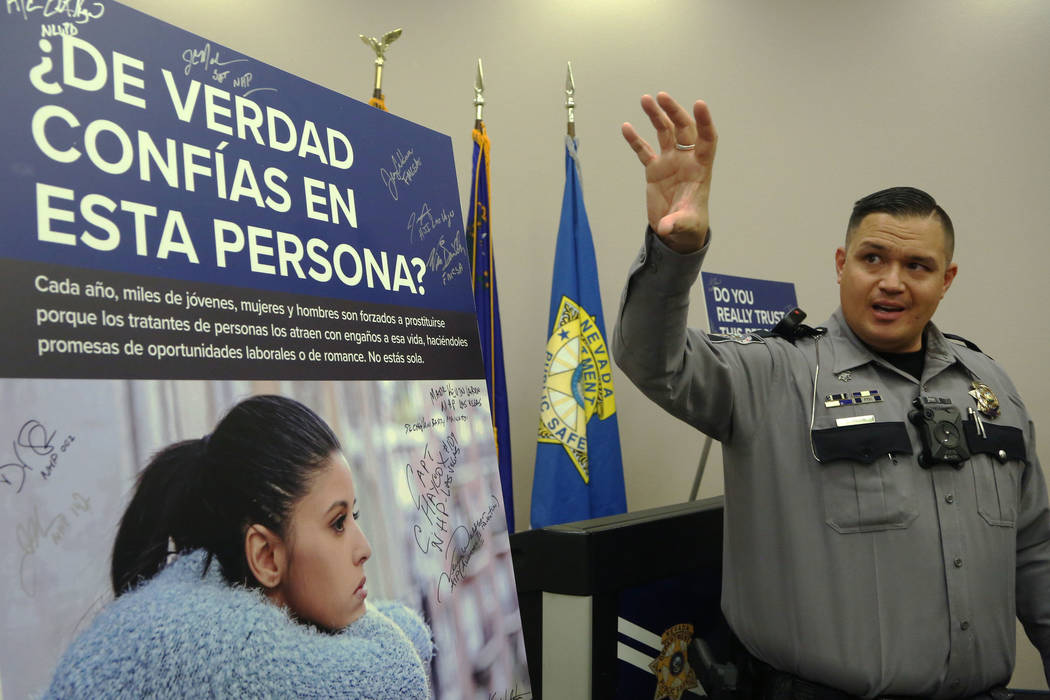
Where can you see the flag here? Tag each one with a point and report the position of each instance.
(579, 470)
(486, 303)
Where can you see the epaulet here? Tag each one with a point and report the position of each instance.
(959, 339)
(801, 331)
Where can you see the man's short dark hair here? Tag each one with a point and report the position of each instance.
(902, 203)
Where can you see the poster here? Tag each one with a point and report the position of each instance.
(745, 304)
(184, 227)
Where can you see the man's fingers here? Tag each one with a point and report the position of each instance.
(682, 122)
(661, 122)
(705, 125)
(642, 149)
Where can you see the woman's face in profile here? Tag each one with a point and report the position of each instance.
(325, 578)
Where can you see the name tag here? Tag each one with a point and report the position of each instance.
(854, 420)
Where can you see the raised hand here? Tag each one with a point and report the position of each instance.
(678, 178)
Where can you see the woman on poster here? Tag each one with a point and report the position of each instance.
(238, 570)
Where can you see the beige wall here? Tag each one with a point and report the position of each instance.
(817, 102)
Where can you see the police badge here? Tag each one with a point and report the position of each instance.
(674, 675)
(987, 401)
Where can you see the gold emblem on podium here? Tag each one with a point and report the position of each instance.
(674, 675)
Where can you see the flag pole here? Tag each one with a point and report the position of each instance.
(479, 96)
(570, 101)
(379, 46)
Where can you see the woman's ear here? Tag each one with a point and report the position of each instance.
(266, 555)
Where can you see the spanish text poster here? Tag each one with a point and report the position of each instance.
(745, 305)
(184, 227)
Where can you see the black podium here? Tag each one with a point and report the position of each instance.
(597, 595)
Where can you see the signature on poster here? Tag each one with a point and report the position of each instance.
(34, 531)
(448, 258)
(465, 542)
(76, 11)
(430, 479)
(33, 450)
(425, 222)
(405, 168)
(210, 62)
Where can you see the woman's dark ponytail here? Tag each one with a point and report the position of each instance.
(204, 494)
(165, 507)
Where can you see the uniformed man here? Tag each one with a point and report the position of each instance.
(886, 514)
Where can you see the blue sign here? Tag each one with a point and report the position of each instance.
(745, 305)
(133, 146)
(150, 173)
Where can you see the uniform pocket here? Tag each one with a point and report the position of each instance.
(997, 462)
(865, 487)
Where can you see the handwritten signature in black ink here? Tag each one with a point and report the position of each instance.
(465, 542)
(405, 169)
(433, 480)
(511, 694)
(34, 450)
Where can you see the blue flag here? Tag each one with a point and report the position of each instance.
(579, 470)
(486, 302)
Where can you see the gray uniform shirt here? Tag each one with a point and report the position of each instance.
(846, 562)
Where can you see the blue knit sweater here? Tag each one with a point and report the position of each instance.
(180, 635)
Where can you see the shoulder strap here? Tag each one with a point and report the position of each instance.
(959, 339)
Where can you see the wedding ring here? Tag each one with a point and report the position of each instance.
(685, 146)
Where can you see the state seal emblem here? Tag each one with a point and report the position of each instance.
(577, 383)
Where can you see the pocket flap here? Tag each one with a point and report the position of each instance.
(1004, 439)
(861, 443)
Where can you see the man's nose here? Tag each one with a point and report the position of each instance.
(891, 280)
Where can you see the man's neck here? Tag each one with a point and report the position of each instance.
(907, 362)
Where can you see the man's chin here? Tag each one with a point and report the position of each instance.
(885, 340)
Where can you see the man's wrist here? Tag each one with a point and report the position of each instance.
(665, 245)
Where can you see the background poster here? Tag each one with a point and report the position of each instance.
(184, 226)
(745, 304)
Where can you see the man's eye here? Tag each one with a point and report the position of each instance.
(871, 258)
(340, 523)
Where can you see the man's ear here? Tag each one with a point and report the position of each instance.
(949, 277)
(840, 261)
(266, 555)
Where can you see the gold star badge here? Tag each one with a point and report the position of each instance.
(674, 675)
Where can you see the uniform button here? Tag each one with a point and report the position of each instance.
(958, 565)
(1002, 455)
(949, 498)
(965, 625)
